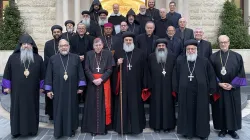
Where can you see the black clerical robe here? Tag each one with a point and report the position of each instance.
(110, 42)
(184, 35)
(65, 102)
(67, 35)
(116, 21)
(24, 111)
(193, 95)
(162, 106)
(50, 49)
(133, 82)
(146, 43)
(143, 19)
(153, 13)
(204, 48)
(174, 17)
(134, 28)
(94, 15)
(226, 109)
(175, 46)
(98, 98)
(161, 27)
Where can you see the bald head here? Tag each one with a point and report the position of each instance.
(116, 8)
(63, 46)
(171, 31)
(224, 42)
(182, 23)
(143, 9)
(163, 13)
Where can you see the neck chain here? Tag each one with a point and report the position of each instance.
(65, 68)
(109, 46)
(223, 69)
(26, 71)
(191, 72)
(129, 66)
(98, 63)
(163, 65)
(133, 28)
(55, 47)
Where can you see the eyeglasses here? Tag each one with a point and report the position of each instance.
(225, 42)
(66, 45)
(191, 49)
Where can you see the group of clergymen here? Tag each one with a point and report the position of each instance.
(118, 63)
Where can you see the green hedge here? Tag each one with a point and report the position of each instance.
(11, 28)
(232, 25)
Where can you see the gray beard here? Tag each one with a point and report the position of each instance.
(143, 13)
(70, 30)
(86, 22)
(26, 55)
(191, 57)
(128, 48)
(102, 22)
(64, 52)
(161, 56)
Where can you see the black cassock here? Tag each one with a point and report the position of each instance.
(204, 48)
(24, 111)
(193, 96)
(226, 110)
(65, 102)
(133, 81)
(161, 27)
(50, 49)
(97, 109)
(162, 107)
(67, 35)
(153, 13)
(146, 43)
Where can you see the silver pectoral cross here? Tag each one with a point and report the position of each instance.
(98, 69)
(191, 77)
(129, 66)
(164, 72)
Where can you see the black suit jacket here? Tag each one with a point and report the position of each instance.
(176, 47)
(141, 43)
(204, 49)
(188, 34)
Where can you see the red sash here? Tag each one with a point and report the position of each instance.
(107, 98)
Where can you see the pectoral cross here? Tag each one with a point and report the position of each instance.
(98, 69)
(129, 66)
(190, 77)
(164, 72)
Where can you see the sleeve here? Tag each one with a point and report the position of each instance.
(108, 68)
(240, 79)
(145, 77)
(212, 84)
(46, 57)
(192, 34)
(87, 68)
(81, 76)
(49, 77)
(210, 49)
(42, 73)
(91, 41)
(6, 82)
(175, 78)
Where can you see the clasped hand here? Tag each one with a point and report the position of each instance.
(98, 81)
(226, 86)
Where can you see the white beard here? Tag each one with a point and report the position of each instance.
(191, 57)
(161, 56)
(64, 52)
(70, 30)
(143, 13)
(102, 22)
(128, 48)
(86, 22)
(26, 55)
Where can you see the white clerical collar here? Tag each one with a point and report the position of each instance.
(113, 14)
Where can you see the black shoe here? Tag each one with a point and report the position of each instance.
(233, 134)
(157, 131)
(16, 136)
(32, 134)
(202, 138)
(222, 133)
(73, 133)
(93, 134)
(58, 137)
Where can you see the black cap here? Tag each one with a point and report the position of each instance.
(69, 21)
(85, 12)
(191, 42)
(161, 40)
(56, 27)
(102, 12)
(128, 34)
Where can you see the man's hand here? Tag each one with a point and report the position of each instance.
(228, 87)
(120, 61)
(50, 95)
(7, 90)
(79, 91)
(98, 81)
(81, 57)
(41, 90)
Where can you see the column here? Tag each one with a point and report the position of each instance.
(180, 7)
(65, 11)
(167, 5)
(85, 5)
(59, 19)
(77, 11)
(247, 13)
(160, 4)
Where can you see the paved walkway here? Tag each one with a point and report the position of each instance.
(46, 131)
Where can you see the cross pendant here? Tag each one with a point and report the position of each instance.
(129, 66)
(190, 77)
(98, 69)
(164, 72)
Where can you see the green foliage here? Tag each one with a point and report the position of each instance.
(11, 28)
(232, 25)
